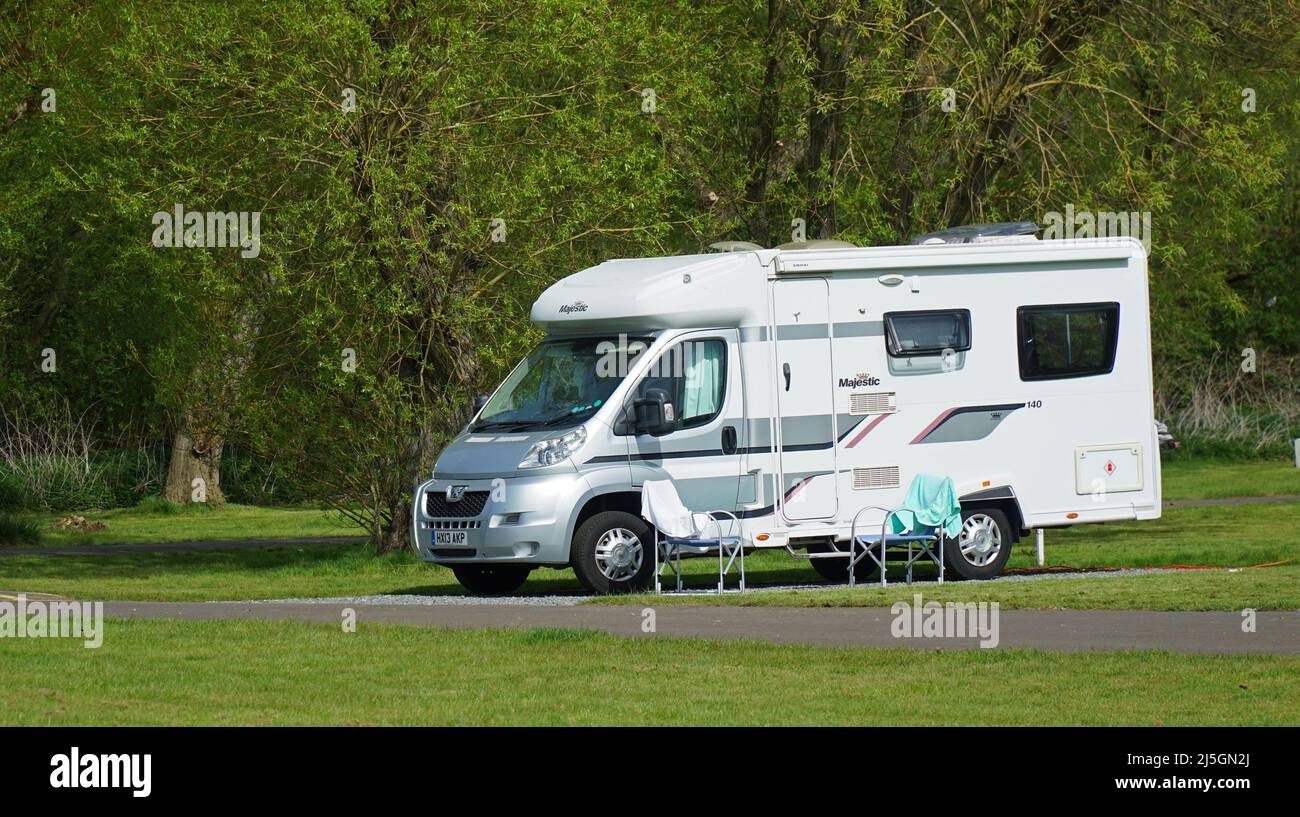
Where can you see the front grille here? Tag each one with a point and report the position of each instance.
(454, 524)
(436, 504)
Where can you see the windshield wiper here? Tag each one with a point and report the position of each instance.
(524, 425)
(568, 415)
(499, 424)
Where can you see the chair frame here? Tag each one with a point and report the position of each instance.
(925, 546)
(673, 553)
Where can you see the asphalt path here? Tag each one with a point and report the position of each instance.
(1276, 633)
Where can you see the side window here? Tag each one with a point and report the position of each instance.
(1067, 340)
(927, 342)
(694, 376)
(931, 332)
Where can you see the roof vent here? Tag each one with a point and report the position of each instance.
(1011, 231)
(818, 244)
(734, 246)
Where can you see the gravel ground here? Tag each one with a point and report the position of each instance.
(445, 600)
(575, 598)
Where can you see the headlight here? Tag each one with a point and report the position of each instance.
(556, 449)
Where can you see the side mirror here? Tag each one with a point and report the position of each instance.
(480, 402)
(654, 414)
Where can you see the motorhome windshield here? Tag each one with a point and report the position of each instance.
(562, 382)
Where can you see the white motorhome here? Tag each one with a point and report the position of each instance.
(794, 387)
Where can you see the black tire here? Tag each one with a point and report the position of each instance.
(977, 563)
(491, 580)
(837, 570)
(631, 570)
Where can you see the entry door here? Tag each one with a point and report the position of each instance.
(806, 398)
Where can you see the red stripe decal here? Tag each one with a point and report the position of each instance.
(932, 426)
(866, 430)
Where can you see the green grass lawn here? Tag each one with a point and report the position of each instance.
(182, 673)
(157, 522)
(343, 570)
(1213, 479)
(1216, 535)
(248, 573)
(1275, 588)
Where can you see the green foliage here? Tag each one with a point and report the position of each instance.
(377, 223)
(57, 483)
(12, 495)
(16, 531)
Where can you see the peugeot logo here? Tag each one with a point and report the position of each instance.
(455, 493)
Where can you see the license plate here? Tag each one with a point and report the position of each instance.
(449, 537)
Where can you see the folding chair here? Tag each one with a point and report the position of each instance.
(928, 498)
(684, 532)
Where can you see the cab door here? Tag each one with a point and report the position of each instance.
(702, 452)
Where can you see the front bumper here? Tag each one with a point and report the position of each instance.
(524, 520)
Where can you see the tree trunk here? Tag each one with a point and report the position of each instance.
(191, 460)
(396, 533)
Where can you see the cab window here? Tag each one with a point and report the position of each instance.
(693, 375)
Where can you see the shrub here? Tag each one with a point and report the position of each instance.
(1217, 410)
(15, 531)
(48, 457)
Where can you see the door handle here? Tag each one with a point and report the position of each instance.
(785, 367)
(728, 439)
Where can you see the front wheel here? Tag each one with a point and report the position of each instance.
(612, 553)
(983, 547)
(491, 580)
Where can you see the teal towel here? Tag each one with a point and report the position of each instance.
(931, 503)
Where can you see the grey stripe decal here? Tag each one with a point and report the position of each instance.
(804, 331)
(810, 331)
(812, 429)
(850, 424)
(968, 423)
(811, 432)
(759, 433)
(859, 329)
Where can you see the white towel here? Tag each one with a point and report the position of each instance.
(664, 509)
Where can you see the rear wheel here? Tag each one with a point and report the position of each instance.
(491, 580)
(612, 553)
(837, 569)
(984, 546)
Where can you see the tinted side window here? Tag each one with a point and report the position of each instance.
(930, 332)
(1067, 340)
